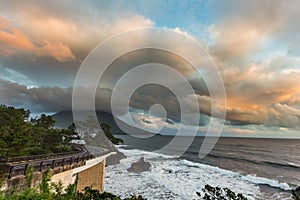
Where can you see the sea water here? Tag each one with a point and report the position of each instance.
(257, 168)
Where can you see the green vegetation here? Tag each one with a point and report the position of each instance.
(29, 176)
(217, 193)
(21, 137)
(107, 131)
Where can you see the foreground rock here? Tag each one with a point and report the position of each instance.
(296, 193)
(115, 158)
(140, 166)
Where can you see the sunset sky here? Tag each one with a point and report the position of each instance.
(255, 45)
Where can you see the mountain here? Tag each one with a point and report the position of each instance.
(65, 118)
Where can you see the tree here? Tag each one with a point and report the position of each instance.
(53, 138)
(107, 131)
(45, 121)
(14, 130)
(72, 128)
(68, 135)
(8, 114)
(18, 137)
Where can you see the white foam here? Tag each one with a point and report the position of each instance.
(250, 178)
(121, 145)
(171, 178)
(266, 181)
(140, 153)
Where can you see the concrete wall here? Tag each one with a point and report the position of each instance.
(93, 176)
(67, 178)
(90, 174)
(19, 183)
(87, 173)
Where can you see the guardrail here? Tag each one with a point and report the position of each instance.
(42, 156)
(40, 163)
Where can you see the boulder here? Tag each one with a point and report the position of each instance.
(115, 158)
(140, 166)
(296, 193)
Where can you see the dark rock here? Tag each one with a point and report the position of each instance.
(115, 158)
(140, 166)
(296, 193)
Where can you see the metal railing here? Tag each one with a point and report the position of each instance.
(19, 166)
(42, 156)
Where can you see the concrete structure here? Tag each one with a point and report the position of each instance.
(90, 174)
(87, 167)
(93, 176)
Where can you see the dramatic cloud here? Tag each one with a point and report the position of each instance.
(47, 42)
(255, 45)
(251, 45)
(254, 88)
(79, 26)
(14, 42)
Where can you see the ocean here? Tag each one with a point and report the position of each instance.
(258, 168)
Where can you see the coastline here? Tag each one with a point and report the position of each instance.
(172, 178)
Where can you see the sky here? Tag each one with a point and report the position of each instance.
(254, 44)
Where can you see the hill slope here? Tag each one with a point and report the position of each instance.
(65, 118)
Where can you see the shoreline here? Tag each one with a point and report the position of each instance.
(183, 172)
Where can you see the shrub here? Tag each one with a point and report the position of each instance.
(217, 193)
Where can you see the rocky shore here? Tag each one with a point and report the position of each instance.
(115, 158)
(140, 166)
(296, 193)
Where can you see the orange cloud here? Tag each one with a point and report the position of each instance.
(14, 42)
(251, 90)
(57, 50)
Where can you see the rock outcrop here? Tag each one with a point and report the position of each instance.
(115, 158)
(296, 193)
(140, 166)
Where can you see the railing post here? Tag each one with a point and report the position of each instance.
(25, 169)
(65, 158)
(10, 171)
(53, 162)
(41, 165)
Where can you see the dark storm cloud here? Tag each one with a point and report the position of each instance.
(42, 71)
(36, 99)
(135, 58)
(42, 45)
